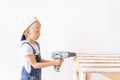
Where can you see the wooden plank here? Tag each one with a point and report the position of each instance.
(97, 70)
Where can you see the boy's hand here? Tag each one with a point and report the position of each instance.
(57, 62)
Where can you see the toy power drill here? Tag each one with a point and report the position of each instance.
(61, 55)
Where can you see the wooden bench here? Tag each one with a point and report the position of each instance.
(96, 63)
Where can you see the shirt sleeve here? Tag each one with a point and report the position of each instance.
(26, 49)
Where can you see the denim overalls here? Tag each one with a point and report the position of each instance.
(35, 74)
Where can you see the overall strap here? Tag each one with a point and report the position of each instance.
(37, 45)
(30, 45)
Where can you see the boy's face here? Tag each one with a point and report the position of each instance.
(34, 31)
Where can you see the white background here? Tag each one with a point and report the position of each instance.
(88, 26)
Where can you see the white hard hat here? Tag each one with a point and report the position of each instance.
(27, 23)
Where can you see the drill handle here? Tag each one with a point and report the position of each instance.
(56, 68)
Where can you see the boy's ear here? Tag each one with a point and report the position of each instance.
(26, 32)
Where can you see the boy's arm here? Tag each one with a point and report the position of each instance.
(43, 60)
(35, 64)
